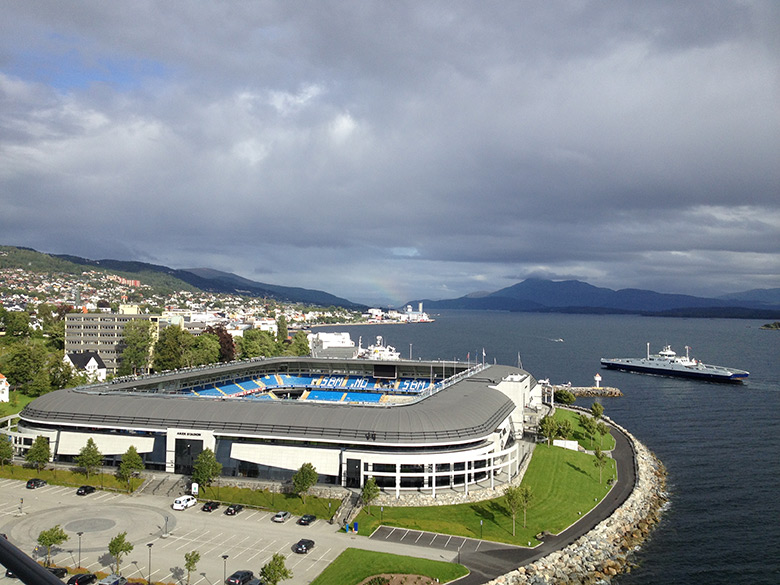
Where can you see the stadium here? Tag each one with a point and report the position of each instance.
(412, 425)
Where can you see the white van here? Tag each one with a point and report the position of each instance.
(184, 502)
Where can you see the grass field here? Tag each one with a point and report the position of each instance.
(607, 443)
(67, 477)
(272, 501)
(564, 483)
(353, 565)
(17, 403)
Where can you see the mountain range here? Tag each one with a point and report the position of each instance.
(540, 295)
(532, 294)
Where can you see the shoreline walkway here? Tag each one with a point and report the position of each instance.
(490, 560)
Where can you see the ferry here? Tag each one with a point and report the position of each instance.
(667, 363)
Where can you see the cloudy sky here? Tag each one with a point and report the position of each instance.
(385, 151)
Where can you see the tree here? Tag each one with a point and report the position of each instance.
(299, 345)
(601, 461)
(204, 349)
(281, 330)
(597, 410)
(275, 570)
(25, 367)
(525, 495)
(90, 457)
(191, 560)
(118, 547)
(206, 468)
(548, 427)
(130, 465)
(512, 498)
(6, 450)
(51, 537)
(370, 492)
(39, 453)
(17, 324)
(227, 347)
(304, 479)
(168, 353)
(138, 338)
(589, 426)
(603, 430)
(565, 428)
(564, 397)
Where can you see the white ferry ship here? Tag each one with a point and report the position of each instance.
(667, 363)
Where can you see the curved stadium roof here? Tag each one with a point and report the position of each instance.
(466, 411)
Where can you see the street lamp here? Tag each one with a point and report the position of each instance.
(149, 580)
(480, 529)
(224, 568)
(80, 535)
(381, 513)
(165, 535)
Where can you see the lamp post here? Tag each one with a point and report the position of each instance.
(149, 580)
(80, 535)
(381, 513)
(166, 528)
(480, 529)
(224, 568)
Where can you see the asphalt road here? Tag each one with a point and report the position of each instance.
(250, 538)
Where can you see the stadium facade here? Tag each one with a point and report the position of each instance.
(412, 425)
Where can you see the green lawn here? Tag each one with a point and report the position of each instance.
(606, 444)
(17, 403)
(68, 478)
(353, 565)
(272, 501)
(564, 484)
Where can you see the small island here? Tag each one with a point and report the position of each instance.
(775, 325)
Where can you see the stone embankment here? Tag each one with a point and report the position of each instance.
(580, 391)
(605, 551)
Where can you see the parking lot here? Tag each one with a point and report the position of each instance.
(249, 539)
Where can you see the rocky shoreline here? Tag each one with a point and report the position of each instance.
(606, 550)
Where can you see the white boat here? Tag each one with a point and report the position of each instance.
(378, 351)
(667, 363)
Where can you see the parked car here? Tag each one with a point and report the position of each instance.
(303, 546)
(113, 579)
(59, 572)
(35, 482)
(239, 578)
(307, 519)
(184, 502)
(85, 489)
(255, 582)
(233, 509)
(283, 516)
(210, 506)
(82, 579)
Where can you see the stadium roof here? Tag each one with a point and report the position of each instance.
(466, 411)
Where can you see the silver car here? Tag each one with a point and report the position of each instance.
(281, 516)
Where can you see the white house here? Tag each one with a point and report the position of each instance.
(89, 362)
(5, 389)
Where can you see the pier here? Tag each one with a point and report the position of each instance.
(589, 391)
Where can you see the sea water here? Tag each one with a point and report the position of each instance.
(720, 443)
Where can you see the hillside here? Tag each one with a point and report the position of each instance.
(573, 296)
(164, 279)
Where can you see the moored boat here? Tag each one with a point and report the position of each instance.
(667, 363)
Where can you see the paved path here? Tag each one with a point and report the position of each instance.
(489, 560)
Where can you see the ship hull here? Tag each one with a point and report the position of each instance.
(712, 375)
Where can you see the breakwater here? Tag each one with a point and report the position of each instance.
(606, 550)
(590, 391)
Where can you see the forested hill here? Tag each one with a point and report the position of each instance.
(164, 279)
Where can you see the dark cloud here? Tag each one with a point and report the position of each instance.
(384, 152)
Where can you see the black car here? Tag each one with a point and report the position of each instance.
(35, 482)
(210, 506)
(58, 571)
(85, 489)
(233, 509)
(307, 519)
(239, 578)
(82, 579)
(303, 546)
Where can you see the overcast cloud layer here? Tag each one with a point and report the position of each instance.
(384, 151)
